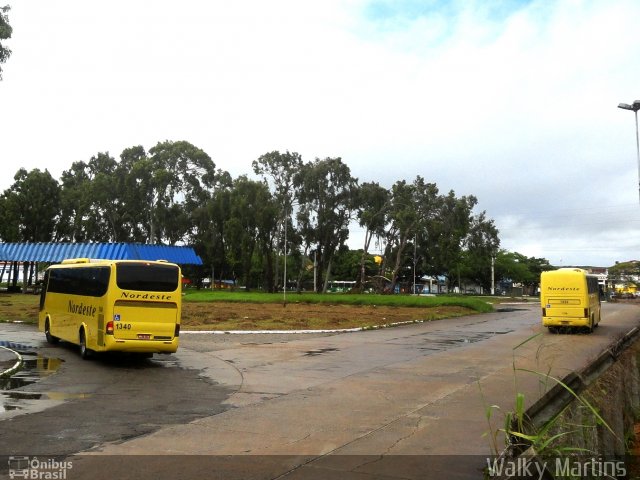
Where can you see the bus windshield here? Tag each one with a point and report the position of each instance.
(145, 277)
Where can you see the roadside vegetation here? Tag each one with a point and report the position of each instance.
(289, 224)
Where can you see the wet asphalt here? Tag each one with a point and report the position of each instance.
(59, 404)
(409, 390)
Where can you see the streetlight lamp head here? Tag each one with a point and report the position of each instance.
(635, 107)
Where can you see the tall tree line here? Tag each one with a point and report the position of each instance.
(294, 211)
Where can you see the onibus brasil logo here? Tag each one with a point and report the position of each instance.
(38, 469)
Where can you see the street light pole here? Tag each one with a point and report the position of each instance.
(634, 108)
(286, 224)
(415, 241)
(493, 274)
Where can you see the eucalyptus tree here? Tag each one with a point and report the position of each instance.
(326, 192)
(212, 240)
(31, 208)
(31, 205)
(207, 228)
(443, 237)
(5, 33)
(412, 207)
(182, 177)
(10, 225)
(90, 205)
(104, 221)
(372, 214)
(481, 246)
(96, 201)
(251, 223)
(279, 171)
(146, 197)
(133, 179)
(266, 218)
(75, 200)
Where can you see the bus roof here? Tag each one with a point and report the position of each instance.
(76, 261)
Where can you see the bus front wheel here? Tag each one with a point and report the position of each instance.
(85, 353)
(47, 333)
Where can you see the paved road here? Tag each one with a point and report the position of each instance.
(372, 404)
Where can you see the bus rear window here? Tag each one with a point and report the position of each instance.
(147, 277)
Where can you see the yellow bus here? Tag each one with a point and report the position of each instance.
(569, 297)
(112, 305)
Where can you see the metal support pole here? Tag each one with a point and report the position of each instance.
(493, 273)
(638, 150)
(285, 258)
(315, 267)
(634, 108)
(415, 241)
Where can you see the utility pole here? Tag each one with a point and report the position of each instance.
(315, 266)
(415, 242)
(493, 272)
(286, 213)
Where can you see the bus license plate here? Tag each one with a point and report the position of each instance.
(144, 336)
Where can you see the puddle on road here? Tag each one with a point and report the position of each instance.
(439, 341)
(320, 351)
(165, 361)
(34, 367)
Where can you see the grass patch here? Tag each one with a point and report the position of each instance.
(407, 301)
(19, 307)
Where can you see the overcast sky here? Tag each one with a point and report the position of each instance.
(514, 102)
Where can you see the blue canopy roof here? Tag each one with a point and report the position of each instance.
(56, 252)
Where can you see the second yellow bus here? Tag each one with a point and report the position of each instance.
(570, 298)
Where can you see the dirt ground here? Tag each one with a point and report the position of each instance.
(246, 316)
(262, 316)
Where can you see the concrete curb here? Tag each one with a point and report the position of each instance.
(280, 332)
(265, 332)
(16, 366)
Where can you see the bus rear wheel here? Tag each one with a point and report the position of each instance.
(85, 353)
(591, 323)
(47, 333)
